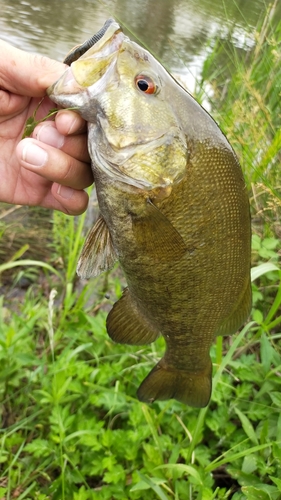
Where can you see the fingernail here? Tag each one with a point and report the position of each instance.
(49, 135)
(34, 155)
(65, 192)
(69, 120)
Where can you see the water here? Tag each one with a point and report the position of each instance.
(176, 31)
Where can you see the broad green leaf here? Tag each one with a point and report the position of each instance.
(267, 353)
(253, 493)
(257, 316)
(249, 464)
(243, 478)
(276, 481)
(258, 271)
(271, 243)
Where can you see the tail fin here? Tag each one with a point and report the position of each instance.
(165, 382)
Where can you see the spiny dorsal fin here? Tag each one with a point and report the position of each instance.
(97, 254)
(126, 325)
(158, 236)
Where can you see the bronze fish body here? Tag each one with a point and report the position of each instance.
(174, 212)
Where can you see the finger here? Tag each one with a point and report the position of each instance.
(53, 164)
(75, 145)
(69, 122)
(67, 200)
(25, 73)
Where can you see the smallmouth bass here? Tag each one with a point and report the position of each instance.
(174, 212)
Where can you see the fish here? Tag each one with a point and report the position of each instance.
(174, 211)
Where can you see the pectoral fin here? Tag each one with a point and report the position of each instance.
(97, 254)
(157, 236)
(126, 325)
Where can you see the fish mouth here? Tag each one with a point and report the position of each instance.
(91, 68)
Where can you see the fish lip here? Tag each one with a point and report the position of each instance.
(105, 49)
(110, 40)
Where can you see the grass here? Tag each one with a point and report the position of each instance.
(245, 96)
(72, 427)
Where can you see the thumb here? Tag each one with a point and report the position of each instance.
(25, 73)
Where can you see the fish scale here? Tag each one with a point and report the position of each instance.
(174, 212)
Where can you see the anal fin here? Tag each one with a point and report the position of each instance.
(125, 325)
(97, 254)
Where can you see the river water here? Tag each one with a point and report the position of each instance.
(178, 32)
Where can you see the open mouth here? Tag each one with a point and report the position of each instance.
(91, 66)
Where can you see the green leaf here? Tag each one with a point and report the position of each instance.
(258, 271)
(115, 476)
(276, 398)
(142, 485)
(257, 316)
(28, 262)
(249, 464)
(39, 448)
(247, 426)
(31, 122)
(270, 243)
(30, 125)
(188, 469)
(253, 493)
(267, 353)
(154, 486)
(243, 478)
(229, 458)
(276, 481)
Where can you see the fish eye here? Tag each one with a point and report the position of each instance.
(145, 84)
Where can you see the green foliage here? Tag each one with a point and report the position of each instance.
(72, 427)
(31, 122)
(245, 91)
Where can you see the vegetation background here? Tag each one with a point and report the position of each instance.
(72, 427)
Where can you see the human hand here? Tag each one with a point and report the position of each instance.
(51, 168)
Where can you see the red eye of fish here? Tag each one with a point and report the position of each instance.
(145, 84)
